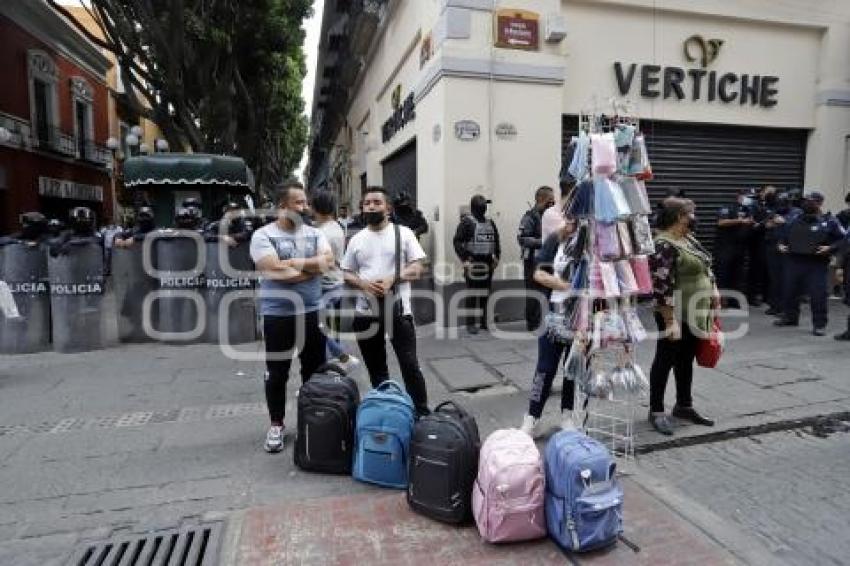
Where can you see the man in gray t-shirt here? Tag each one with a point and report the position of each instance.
(291, 258)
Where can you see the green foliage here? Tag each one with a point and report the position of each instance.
(221, 76)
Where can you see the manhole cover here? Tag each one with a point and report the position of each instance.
(464, 374)
(187, 546)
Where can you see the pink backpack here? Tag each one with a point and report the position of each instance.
(507, 500)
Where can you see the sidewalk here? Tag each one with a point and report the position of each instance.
(378, 528)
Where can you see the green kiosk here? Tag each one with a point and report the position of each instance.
(164, 180)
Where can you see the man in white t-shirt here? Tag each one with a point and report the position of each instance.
(369, 265)
(291, 257)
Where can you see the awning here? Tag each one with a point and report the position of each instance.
(185, 169)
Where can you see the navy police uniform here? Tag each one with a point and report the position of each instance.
(806, 270)
(731, 247)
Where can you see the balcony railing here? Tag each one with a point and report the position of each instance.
(94, 152)
(56, 141)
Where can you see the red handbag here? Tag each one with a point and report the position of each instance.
(709, 349)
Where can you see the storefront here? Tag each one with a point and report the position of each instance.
(730, 96)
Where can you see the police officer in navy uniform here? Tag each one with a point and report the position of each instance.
(734, 229)
(477, 244)
(809, 240)
(530, 240)
(757, 261)
(777, 208)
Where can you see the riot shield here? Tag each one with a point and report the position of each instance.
(77, 288)
(131, 284)
(227, 310)
(23, 266)
(180, 307)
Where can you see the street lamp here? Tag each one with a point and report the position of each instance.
(161, 145)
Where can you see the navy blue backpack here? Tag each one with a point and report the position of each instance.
(382, 436)
(584, 500)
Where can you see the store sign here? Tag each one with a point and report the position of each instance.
(506, 131)
(655, 81)
(517, 29)
(61, 188)
(467, 130)
(404, 112)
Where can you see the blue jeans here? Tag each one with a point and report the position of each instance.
(331, 303)
(549, 355)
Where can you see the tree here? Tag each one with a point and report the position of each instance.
(221, 76)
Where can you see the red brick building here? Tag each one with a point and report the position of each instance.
(54, 107)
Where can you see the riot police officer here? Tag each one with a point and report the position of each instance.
(476, 243)
(808, 242)
(734, 228)
(195, 204)
(143, 225)
(756, 259)
(189, 218)
(33, 230)
(530, 240)
(82, 229)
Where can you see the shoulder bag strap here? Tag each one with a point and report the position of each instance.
(398, 258)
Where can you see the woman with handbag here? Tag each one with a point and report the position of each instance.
(685, 297)
(553, 271)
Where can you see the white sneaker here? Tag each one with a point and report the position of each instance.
(350, 364)
(567, 421)
(529, 425)
(274, 439)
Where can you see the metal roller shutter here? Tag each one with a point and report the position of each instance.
(400, 171)
(712, 161)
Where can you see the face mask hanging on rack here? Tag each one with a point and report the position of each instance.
(578, 165)
(609, 204)
(603, 154)
(642, 236)
(581, 204)
(640, 268)
(635, 192)
(639, 160)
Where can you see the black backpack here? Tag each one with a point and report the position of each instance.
(327, 408)
(443, 464)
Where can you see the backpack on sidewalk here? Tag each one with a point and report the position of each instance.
(382, 436)
(327, 406)
(507, 499)
(584, 500)
(443, 463)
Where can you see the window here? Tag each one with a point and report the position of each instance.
(82, 95)
(44, 108)
(42, 112)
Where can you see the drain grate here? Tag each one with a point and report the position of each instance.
(187, 546)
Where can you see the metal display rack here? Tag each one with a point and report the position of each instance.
(608, 416)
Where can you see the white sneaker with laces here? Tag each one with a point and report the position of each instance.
(274, 439)
(529, 425)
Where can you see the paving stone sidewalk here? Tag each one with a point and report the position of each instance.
(378, 528)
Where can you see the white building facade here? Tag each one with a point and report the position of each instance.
(453, 98)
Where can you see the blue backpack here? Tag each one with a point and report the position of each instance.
(584, 501)
(382, 437)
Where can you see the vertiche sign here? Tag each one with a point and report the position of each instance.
(655, 81)
(62, 188)
(517, 29)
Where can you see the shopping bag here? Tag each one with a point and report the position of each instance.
(710, 348)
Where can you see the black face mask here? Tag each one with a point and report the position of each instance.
(478, 211)
(373, 218)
